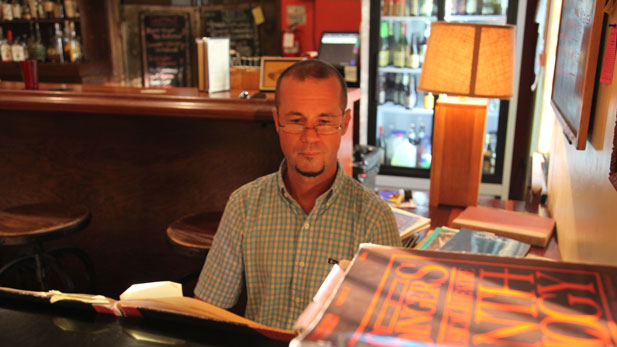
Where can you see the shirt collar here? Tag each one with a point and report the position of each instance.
(325, 197)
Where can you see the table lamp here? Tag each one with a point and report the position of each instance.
(469, 63)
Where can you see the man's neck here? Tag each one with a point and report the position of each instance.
(306, 190)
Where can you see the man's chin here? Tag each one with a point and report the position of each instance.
(310, 173)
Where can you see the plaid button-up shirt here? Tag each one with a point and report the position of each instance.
(282, 253)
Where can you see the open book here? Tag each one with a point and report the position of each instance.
(393, 296)
(180, 308)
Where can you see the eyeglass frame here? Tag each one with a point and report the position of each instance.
(316, 127)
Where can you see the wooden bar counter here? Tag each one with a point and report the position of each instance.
(138, 158)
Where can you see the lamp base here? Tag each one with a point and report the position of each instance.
(458, 137)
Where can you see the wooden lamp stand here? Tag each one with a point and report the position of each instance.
(458, 139)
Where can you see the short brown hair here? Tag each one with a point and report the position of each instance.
(312, 68)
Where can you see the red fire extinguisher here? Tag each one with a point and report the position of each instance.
(290, 42)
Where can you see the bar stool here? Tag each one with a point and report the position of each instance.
(192, 236)
(31, 225)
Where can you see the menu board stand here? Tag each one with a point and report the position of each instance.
(165, 49)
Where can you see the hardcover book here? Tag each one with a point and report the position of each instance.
(521, 226)
(398, 296)
(409, 223)
(173, 308)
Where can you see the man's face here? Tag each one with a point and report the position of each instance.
(310, 102)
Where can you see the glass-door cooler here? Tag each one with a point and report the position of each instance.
(400, 118)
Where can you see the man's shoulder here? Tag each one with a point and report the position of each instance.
(369, 199)
(258, 185)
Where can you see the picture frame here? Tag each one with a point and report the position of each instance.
(271, 69)
(580, 31)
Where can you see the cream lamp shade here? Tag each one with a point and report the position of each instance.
(464, 59)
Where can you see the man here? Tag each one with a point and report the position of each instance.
(280, 233)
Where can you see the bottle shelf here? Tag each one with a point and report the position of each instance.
(391, 107)
(39, 20)
(477, 18)
(395, 69)
(409, 18)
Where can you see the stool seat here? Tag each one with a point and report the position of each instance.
(193, 234)
(40, 222)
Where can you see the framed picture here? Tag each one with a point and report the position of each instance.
(580, 30)
(271, 69)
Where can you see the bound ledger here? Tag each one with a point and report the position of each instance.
(521, 226)
(175, 308)
(405, 297)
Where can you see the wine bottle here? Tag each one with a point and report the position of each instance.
(5, 46)
(55, 50)
(401, 47)
(384, 50)
(414, 57)
(381, 96)
(37, 50)
(17, 10)
(7, 12)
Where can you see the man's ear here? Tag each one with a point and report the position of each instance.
(275, 116)
(346, 120)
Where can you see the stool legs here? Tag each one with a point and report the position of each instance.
(45, 266)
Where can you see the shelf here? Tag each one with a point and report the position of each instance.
(410, 18)
(395, 69)
(473, 18)
(390, 107)
(37, 20)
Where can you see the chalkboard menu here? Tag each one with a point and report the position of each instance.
(235, 23)
(165, 49)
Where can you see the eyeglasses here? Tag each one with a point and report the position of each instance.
(300, 127)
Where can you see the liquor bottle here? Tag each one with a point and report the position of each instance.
(381, 96)
(389, 87)
(5, 46)
(404, 90)
(396, 94)
(76, 55)
(411, 96)
(387, 7)
(66, 42)
(7, 12)
(381, 142)
(32, 9)
(413, 9)
(399, 8)
(16, 8)
(401, 47)
(48, 5)
(487, 155)
(19, 50)
(40, 5)
(427, 8)
(37, 50)
(59, 9)
(69, 8)
(459, 7)
(26, 12)
(55, 51)
(384, 50)
(414, 57)
(391, 43)
(472, 7)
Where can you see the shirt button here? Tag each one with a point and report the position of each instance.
(306, 225)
